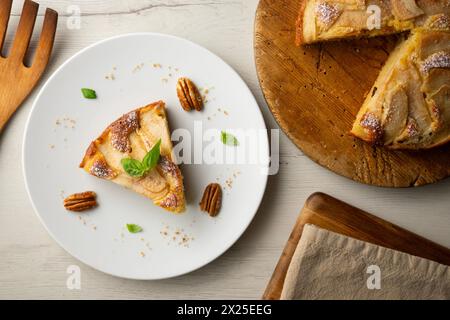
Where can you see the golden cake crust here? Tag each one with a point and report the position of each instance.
(321, 20)
(299, 25)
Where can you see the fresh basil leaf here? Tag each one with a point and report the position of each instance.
(89, 93)
(133, 167)
(134, 228)
(228, 139)
(151, 158)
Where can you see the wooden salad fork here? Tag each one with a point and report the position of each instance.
(17, 79)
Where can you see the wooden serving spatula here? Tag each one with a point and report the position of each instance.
(17, 79)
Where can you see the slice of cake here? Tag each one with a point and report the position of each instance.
(132, 136)
(409, 107)
(321, 20)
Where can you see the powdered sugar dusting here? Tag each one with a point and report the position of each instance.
(439, 59)
(101, 170)
(327, 13)
(442, 22)
(121, 129)
(168, 166)
(370, 121)
(412, 129)
(170, 201)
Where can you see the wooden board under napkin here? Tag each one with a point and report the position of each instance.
(328, 265)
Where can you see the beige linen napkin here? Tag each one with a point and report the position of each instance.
(327, 265)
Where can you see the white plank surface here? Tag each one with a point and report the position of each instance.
(32, 265)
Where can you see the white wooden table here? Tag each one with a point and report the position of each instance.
(32, 265)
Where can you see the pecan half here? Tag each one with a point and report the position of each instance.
(212, 199)
(189, 95)
(80, 201)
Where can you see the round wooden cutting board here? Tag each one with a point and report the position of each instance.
(315, 92)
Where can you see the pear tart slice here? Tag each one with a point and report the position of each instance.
(321, 20)
(409, 107)
(132, 136)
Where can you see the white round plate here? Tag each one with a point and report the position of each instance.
(128, 72)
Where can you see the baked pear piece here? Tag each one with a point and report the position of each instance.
(409, 107)
(321, 20)
(132, 136)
